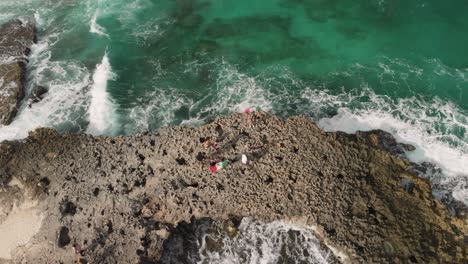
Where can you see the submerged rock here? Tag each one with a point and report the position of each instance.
(346, 186)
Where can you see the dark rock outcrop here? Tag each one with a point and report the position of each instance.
(12, 82)
(122, 197)
(37, 94)
(16, 38)
(63, 237)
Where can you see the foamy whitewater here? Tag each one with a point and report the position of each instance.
(265, 243)
(101, 112)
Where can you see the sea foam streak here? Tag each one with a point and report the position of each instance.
(96, 28)
(102, 117)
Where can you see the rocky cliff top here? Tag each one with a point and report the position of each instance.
(121, 198)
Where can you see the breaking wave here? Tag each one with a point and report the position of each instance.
(101, 112)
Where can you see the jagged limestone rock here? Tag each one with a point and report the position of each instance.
(345, 185)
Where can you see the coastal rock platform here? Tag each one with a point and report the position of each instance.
(120, 199)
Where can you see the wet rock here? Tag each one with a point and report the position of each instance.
(12, 82)
(213, 245)
(37, 94)
(16, 37)
(230, 228)
(385, 141)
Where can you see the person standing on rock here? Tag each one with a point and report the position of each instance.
(245, 164)
(78, 251)
(252, 115)
(245, 160)
(210, 144)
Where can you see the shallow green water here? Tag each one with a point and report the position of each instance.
(363, 64)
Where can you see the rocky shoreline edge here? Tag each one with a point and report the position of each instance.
(122, 198)
(16, 38)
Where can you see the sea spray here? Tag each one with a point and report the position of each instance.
(102, 114)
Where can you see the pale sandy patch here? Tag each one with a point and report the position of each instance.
(19, 227)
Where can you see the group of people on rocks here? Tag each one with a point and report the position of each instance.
(252, 115)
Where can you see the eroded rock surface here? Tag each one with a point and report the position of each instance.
(16, 37)
(118, 199)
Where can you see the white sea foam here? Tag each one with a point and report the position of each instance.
(64, 103)
(267, 243)
(101, 112)
(96, 28)
(234, 92)
(150, 31)
(155, 109)
(39, 20)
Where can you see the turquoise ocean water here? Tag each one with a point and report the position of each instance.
(126, 66)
